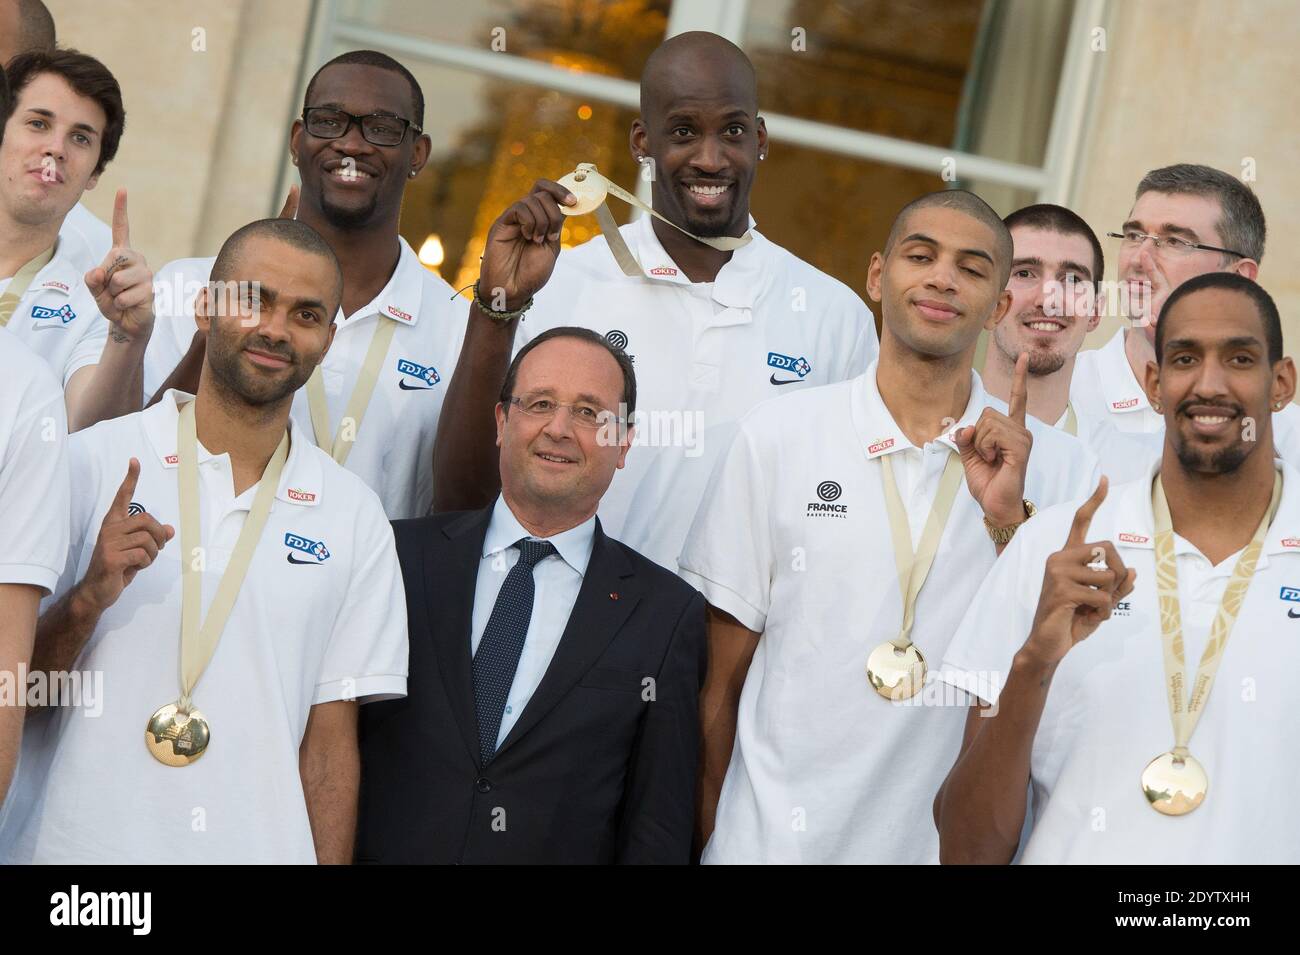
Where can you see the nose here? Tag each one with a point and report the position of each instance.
(942, 277)
(708, 156)
(559, 427)
(274, 324)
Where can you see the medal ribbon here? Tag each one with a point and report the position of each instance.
(1071, 420)
(199, 642)
(21, 282)
(913, 568)
(332, 442)
(1185, 712)
(609, 228)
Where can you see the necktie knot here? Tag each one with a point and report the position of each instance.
(531, 551)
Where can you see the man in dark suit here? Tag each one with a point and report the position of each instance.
(552, 707)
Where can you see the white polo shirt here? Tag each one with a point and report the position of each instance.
(312, 624)
(57, 316)
(1123, 455)
(1106, 715)
(793, 540)
(1105, 388)
(33, 469)
(704, 354)
(95, 235)
(393, 452)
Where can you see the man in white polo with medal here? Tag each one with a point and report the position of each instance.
(240, 592)
(1139, 691)
(840, 539)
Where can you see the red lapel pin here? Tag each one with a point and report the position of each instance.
(613, 596)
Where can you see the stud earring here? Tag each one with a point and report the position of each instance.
(412, 173)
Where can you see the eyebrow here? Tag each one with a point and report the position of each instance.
(312, 303)
(922, 237)
(1237, 341)
(1168, 228)
(49, 114)
(343, 109)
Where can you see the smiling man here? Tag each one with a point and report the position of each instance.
(840, 540)
(713, 332)
(278, 608)
(91, 327)
(1184, 578)
(1056, 300)
(552, 715)
(377, 399)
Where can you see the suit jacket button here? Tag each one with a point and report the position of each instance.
(483, 784)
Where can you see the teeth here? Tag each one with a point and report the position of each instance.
(341, 172)
(708, 190)
(1209, 419)
(1044, 326)
(551, 457)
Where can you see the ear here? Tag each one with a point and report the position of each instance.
(1247, 269)
(874, 271)
(999, 310)
(762, 137)
(637, 138)
(295, 140)
(501, 422)
(92, 182)
(1151, 384)
(202, 304)
(329, 340)
(1283, 383)
(420, 153)
(627, 444)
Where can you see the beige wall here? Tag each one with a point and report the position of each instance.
(206, 132)
(1206, 81)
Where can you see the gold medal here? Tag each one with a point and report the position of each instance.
(175, 738)
(1174, 785)
(896, 674)
(587, 186)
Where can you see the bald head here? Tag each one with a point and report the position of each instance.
(969, 204)
(25, 26)
(693, 65)
(231, 267)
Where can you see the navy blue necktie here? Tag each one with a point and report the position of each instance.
(502, 643)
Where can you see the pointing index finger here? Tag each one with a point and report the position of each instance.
(1083, 516)
(121, 228)
(1019, 390)
(127, 489)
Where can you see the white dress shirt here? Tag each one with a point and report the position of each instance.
(556, 579)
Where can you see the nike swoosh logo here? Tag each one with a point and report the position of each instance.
(791, 381)
(401, 383)
(294, 560)
(1293, 615)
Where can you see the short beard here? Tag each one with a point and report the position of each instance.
(347, 219)
(1041, 363)
(1223, 461)
(224, 360)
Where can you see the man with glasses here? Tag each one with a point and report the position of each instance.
(375, 402)
(552, 710)
(1187, 220)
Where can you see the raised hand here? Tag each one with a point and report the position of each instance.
(1082, 583)
(127, 544)
(995, 454)
(123, 285)
(522, 245)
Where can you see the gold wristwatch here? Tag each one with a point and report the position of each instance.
(1003, 535)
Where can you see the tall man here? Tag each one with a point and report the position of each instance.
(1186, 220)
(553, 713)
(376, 402)
(713, 332)
(25, 27)
(63, 129)
(1056, 300)
(1179, 582)
(825, 517)
(252, 755)
(34, 500)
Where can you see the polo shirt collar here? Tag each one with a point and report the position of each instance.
(740, 281)
(61, 274)
(401, 298)
(574, 545)
(1120, 388)
(877, 431)
(301, 481)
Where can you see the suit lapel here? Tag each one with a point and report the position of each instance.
(451, 577)
(596, 618)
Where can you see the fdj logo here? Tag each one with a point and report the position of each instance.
(316, 549)
(1292, 595)
(829, 492)
(798, 366)
(427, 376)
(65, 313)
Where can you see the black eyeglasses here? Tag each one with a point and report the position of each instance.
(379, 129)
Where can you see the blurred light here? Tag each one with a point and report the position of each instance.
(431, 253)
(584, 111)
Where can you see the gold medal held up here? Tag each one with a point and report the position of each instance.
(176, 738)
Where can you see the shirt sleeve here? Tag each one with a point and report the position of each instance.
(34, 495)
(998, 621)
(90, 346)
(367, 656)
(866, 347)
(729, 554)
(175, 287)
